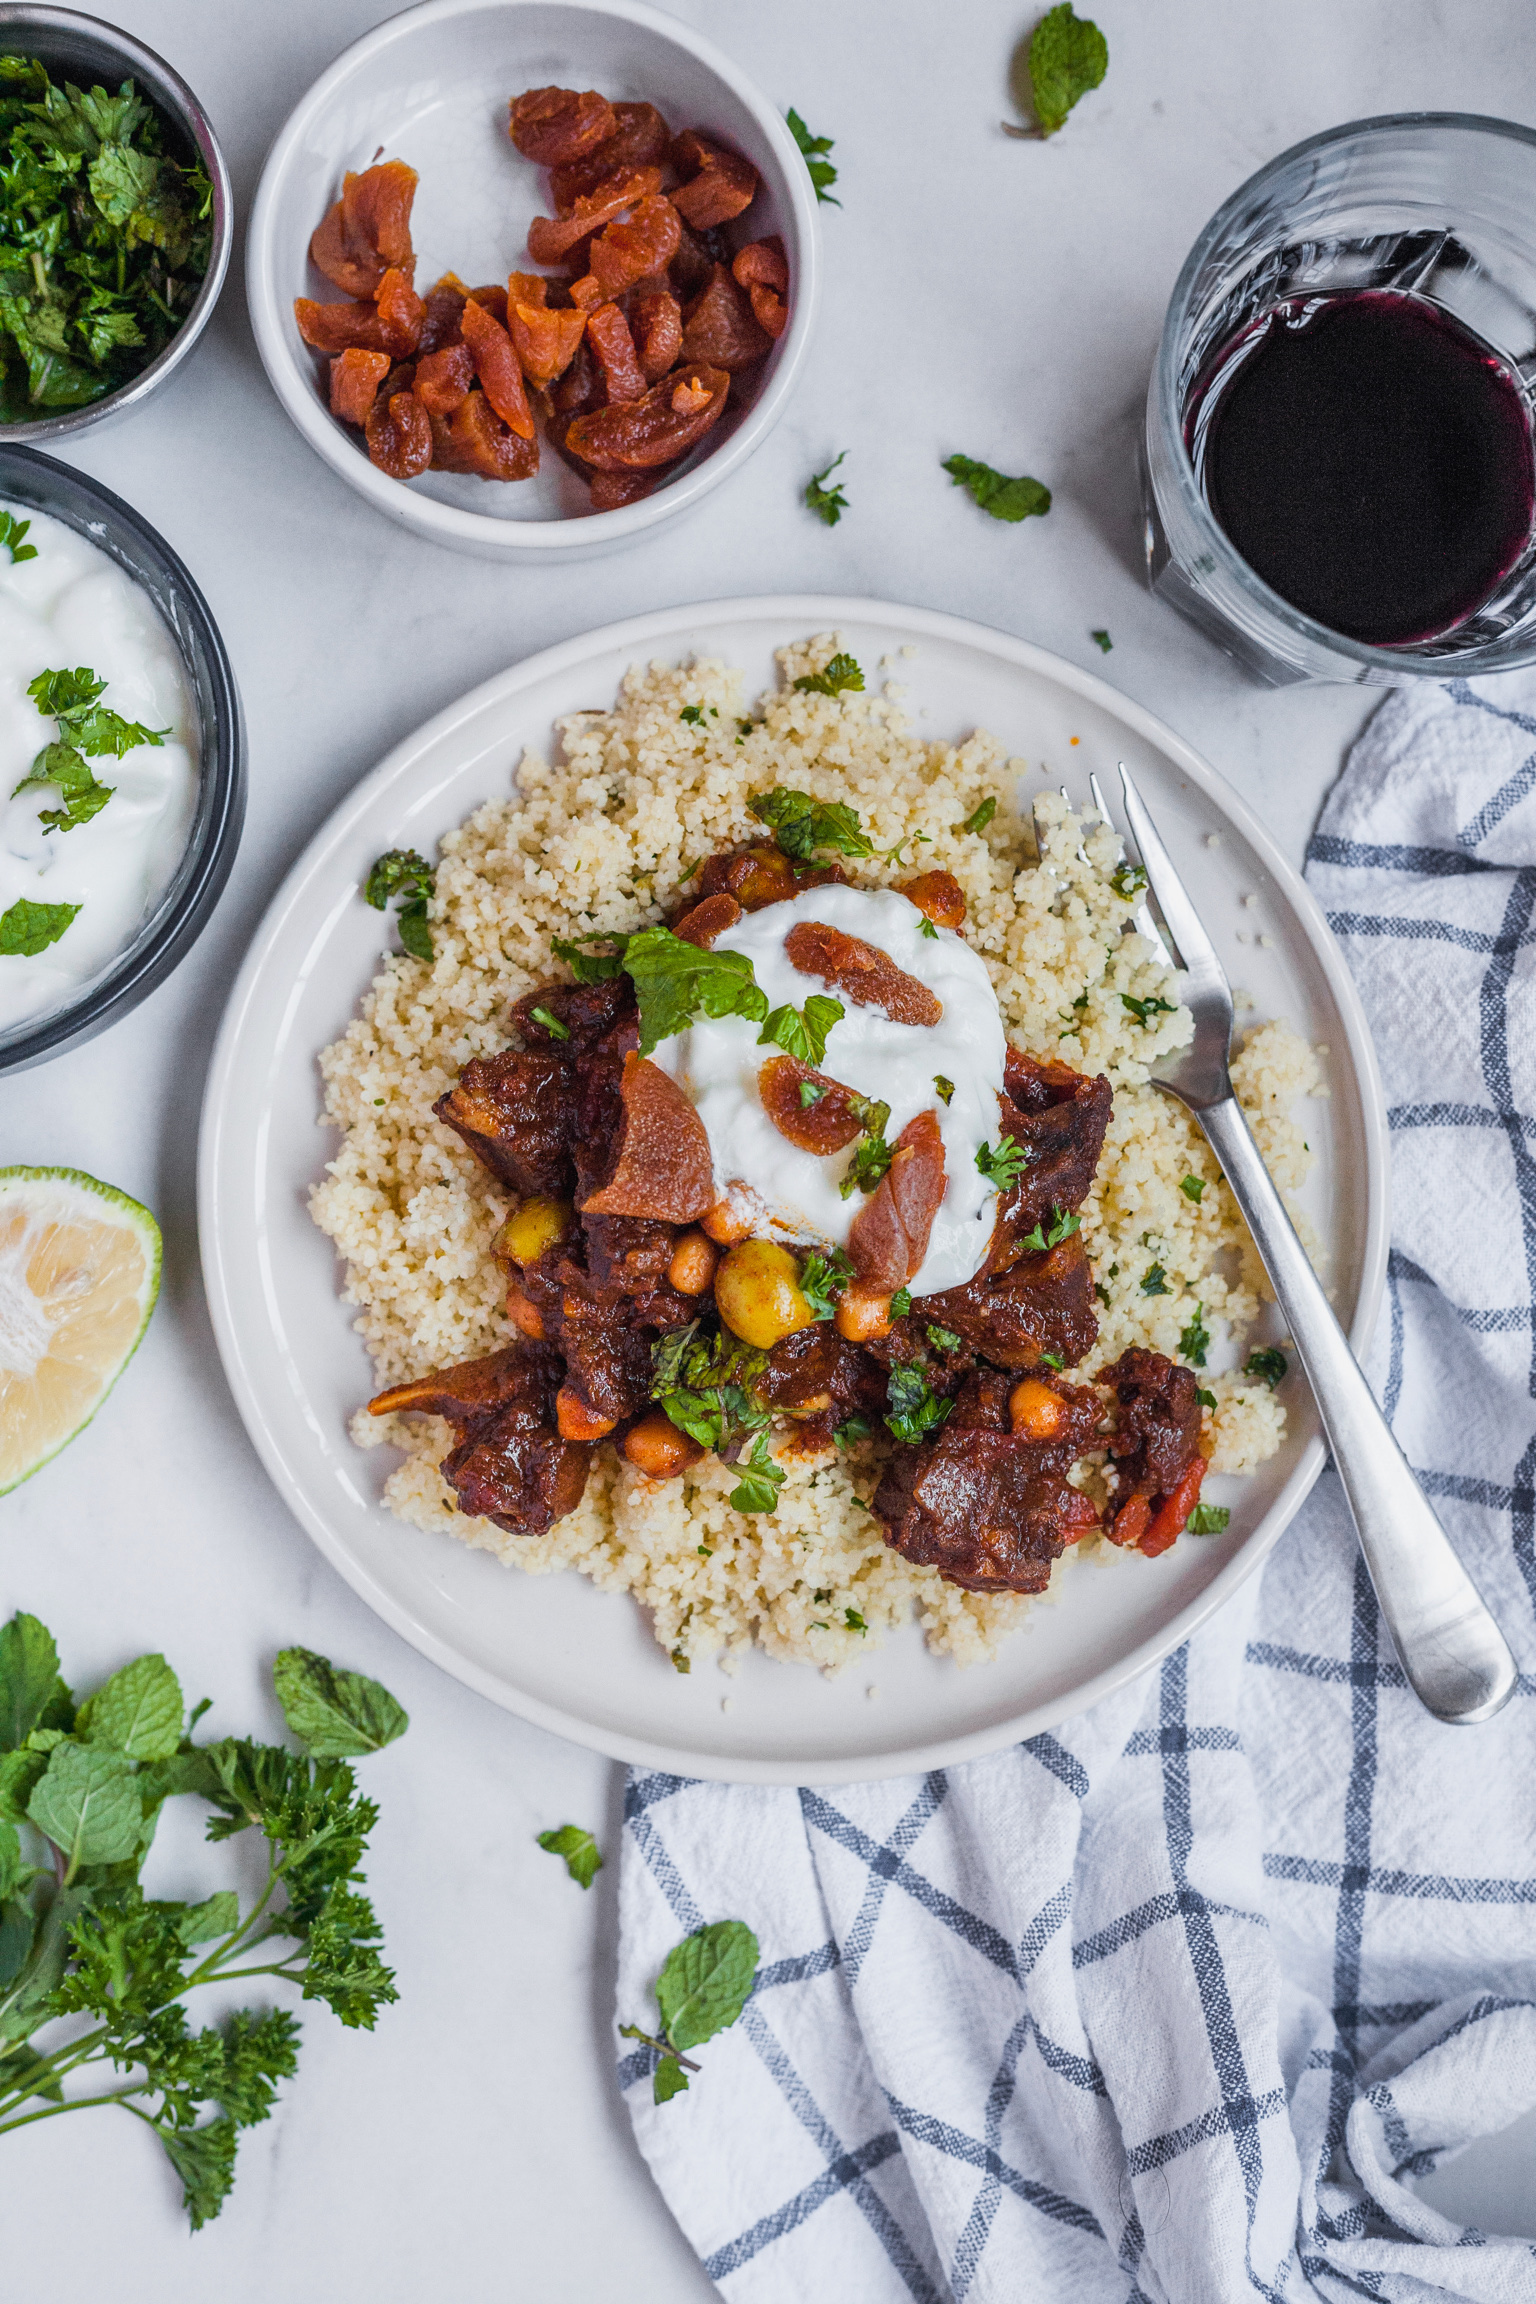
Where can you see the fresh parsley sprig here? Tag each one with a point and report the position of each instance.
(408, 878)
(1268, 1365)
(828, 504)
(1195, 1339)
(998, 495)
(822, 173)
(1004, 1164)
(81, 1790)
(1145, 1010)
(1062, 1228)
(705, 1983)
(840, 674)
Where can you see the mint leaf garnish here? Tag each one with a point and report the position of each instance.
(995, 492)
(336, 1715)
(28, 928)
(1068, 55)
(583, 1857)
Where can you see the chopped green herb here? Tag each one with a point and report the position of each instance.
(823, 1277)
(676, 981)
(828, 504)
(1206, 1399)
(1003, 1167)
(822, 173)
(408, 878)
(704, 1383)
(28, 928)
(1192, 1187)
(693, 714)
(760, 1482)
(800, 825)
(925, 927)
(872, 1157)
(1062, 1228)
(1004, 499)
(912, 1408)
(1195, 1339)
(1128, 880)
(981, 817)
(1068, 55)
(840, 673)
(1102, 1293)
(1102, 641)
(592, 967)
(943, 1339)
(802, 1032)
(1269, 1365)
(901, 1303)
(1208, 1520)
(583, 1859)
(85, 729)
(744, 728)
(811, 1092)
(1145, 1010)
(1053, 1360)
(849, 1434)
(550, 1022)
(705, 1551)
(944, 1089)
(705, 1983)
(1154, 1281)
(681, 1661)
(854, 1620)
(12, 531)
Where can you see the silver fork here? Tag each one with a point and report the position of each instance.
(1455, 1657)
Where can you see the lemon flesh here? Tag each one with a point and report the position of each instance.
(79, 1274)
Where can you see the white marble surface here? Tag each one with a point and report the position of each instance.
(477, 2134)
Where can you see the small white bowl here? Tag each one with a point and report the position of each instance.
(431, 87)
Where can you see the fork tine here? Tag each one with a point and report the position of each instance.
(1192, 948)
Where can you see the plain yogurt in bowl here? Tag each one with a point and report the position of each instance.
(68, 608)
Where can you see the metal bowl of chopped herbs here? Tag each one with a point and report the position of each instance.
(115, 222)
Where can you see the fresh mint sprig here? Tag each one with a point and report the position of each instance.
(87, 730)
(705, 1983)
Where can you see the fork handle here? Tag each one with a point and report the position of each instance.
(1454, 1654)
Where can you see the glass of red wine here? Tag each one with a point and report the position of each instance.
(1338, 470)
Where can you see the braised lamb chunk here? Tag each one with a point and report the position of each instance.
(585, 1013)
(990, 1509)
(1155, 1448)
(1038, 1304)
(598, 1122)
(1060, 1121)
(818, 1377)
(511, 1464)
(516, 1111)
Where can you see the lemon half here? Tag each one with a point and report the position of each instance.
(79, 1274)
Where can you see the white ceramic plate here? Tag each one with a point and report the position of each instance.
(431, 87)
(553, 1648)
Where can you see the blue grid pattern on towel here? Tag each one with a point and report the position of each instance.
(1172, 2001)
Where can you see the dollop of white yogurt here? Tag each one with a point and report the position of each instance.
(717, 1060)
(73, 606)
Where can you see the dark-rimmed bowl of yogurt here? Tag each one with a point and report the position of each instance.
(144, 868)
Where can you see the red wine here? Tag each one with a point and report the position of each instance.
(1370, 458)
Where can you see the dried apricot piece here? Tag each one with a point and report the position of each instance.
(720, 183)
(697, 255)
(756, 877)
(497, 368)
(641, 138)
(938, 895)
(658, 328)
(641, 434)
(709, 918)
(399, 432)
(763, 271)
(614, 347)
(474, 439)
(665, 1170)
(825, 1122)
(610, 490)
(339, 327)
(888, 1238)
(551, 238)
(581, 387)
(401, 313)
(368, 229)
(441, 307)
(633, 249)
(492, 298)
(355, 379)
(557, 125)
(443, 379)
(719, 328)
(527, 288)
(865, 973)
(587, 294)
(545, 342)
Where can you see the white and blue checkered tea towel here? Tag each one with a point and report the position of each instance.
(1173, 2003)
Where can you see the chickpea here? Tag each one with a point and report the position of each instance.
(1035, 1410)
(693, 1263)
(529, 1230)
(862, 1313)
(730, 1219)
(524, 1314)
(757, 1293)
(656, 1447)
(575, 1421)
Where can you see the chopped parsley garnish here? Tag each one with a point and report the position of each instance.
(925, 927)
(1068, 55)
(693, 714)
(995, 492)
(802, 1032)
(1062, 1228)
(704, 1383)
(1101, 641)
(676, 981)
(408, 878)
(705, 1983)
(944, 1089)
(593, 967)
(823, 1277)
(828, 504)
(551, 1023)
(1053, 1360)
(12, 531)
(1269, 1365)
(901, 1303)
(86, 729)
(943, 1339)
(1002, 1168)
(1192, 1187)
(800, 825)
(872, 1156)
(744, 729)
(1206, 1399)
(981, 817)
(822, 173)
(1145, 1010)
(1195, 1340)
(840, 673)
(811, 1092)
(855, 1429)
(583, 1858)
(104, 240)
(1128, 880)
(854, 1620)
(1154, 1281)
(1208, 1520)
(912, 1408)
(28, 928)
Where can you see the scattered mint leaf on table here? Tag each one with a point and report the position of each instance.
(706, 1982)
(828, 504)
(336, 1715)
(138, 1711)
(670, 2079)
(822, 173)
(32, 1695)
(1068, 55)
(583, 1858)
(28, 928)
(1101, 641)
(840, 673)
(995, 492)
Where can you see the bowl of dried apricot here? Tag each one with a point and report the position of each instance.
(531, 277)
